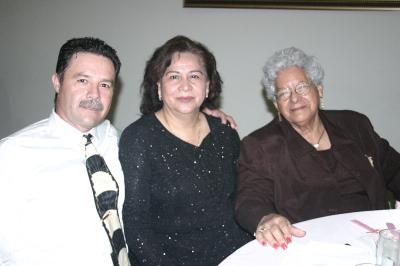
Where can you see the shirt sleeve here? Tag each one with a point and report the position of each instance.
(134, 154)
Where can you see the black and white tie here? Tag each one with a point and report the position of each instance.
(105, 192)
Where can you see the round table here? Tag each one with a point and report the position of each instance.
(343, 239)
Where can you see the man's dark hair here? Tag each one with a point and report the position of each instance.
(86, 45)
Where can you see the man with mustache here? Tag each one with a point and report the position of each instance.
(48, 212)
(49, 215)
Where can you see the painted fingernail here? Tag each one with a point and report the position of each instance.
(288, 240)
(263, 243)
(284, 246)
(275, 246)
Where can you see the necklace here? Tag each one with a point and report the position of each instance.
(199, 134)
(194, 140)
(316, 145)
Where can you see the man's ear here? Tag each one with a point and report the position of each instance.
(56, 82)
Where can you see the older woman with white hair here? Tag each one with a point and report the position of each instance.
(309, 162)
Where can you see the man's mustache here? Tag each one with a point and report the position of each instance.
(93, 104)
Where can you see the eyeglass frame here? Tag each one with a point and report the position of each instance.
(306, 86)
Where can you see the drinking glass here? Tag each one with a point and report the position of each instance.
(388, 248)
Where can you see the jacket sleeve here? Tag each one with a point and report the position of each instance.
(387, 158)
(255, 192)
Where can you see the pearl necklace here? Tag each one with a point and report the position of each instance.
(316, 145)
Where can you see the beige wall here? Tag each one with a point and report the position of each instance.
(360, 51)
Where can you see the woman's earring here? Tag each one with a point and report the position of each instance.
(321, 103)
(279, 116)
(160, 97)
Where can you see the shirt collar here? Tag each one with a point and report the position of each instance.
(64, 130)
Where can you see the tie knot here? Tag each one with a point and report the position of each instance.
(88, 138)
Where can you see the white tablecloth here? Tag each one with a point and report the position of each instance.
(329, 241)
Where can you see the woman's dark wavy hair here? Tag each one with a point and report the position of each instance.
(161, 60)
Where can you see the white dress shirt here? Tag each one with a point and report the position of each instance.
(48, 215)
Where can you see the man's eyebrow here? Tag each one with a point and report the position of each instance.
(80, 74)
(171, 71)
(108, 80)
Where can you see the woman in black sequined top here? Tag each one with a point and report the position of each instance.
(180, 164)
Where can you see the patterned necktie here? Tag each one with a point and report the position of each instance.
(105, 192)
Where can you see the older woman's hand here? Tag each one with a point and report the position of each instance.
(276, 230)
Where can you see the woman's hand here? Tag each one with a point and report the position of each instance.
(276, 230)
(221, 115)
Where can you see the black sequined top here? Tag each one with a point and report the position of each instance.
(178, 208)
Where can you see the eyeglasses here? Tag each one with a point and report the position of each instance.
(302, 89)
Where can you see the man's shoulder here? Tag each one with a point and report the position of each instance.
(14, 148)
(31, 131)
(109, 128)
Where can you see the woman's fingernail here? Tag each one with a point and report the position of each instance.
(284, 246)
(288, 240)
(263, 243)
(275, 246)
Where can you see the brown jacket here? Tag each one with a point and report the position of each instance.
(279, 171)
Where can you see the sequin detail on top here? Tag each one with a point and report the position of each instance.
(178, 208)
